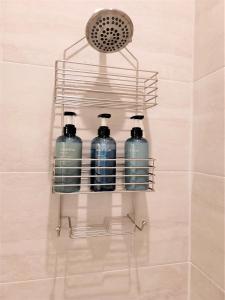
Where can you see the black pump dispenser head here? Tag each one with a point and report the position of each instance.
(137, 132)
(69, 129)
(103, 130)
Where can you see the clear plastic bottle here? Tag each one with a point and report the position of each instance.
(103, 159)
(136, 160)
(68, 156)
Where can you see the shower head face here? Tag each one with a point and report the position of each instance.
(109, 30)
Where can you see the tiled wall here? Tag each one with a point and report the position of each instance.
(34, 264)
(207, 280)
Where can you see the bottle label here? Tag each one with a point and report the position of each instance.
(103, 164)
(68, 150)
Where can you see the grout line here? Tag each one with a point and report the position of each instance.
(29, 64)
(189, 282)
(49, 172)
(171, 171)
(175, 80)
(191, 172)
(26, 172)
(52, 67)
(209, 73)
(190, 191)
(208, 278)
(162, 265)
(104, 272)
(208, 174)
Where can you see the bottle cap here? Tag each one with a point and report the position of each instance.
(69, 129)
(69, 113)
(136, 131)
(137, 117)
(107, 116)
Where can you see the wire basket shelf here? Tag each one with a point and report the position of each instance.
(79, 178)
(120, 225)
(80, 85)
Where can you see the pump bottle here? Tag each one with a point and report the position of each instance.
(68, 154)
(103, 158)
(136, 159)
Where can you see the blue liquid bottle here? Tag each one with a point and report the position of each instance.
(103, 159)
(68, 154)
(136, 159)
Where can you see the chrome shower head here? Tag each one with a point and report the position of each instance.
(109, 30)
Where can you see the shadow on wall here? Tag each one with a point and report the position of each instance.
(84, 263)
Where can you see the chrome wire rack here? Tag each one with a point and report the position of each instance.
(80, 85)
(142, 175)
(122, 225)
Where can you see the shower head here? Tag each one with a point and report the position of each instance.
(109, 30)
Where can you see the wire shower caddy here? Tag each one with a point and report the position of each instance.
(82, 85)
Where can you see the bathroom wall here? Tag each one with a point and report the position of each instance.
(207, 251)
(34, 263)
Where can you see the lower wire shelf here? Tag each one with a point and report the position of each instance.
(123, 225)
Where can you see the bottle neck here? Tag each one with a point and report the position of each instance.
(136, 133)
(69, 130)
(103, 132)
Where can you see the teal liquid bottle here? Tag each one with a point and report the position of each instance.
(136, 159)
(68, 157)
(103, 159)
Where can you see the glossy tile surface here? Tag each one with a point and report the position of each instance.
(164, 283)
(202, 288)
(209, 37)
(208, 225)
(25, 117)
(30, 249)
(208, 124)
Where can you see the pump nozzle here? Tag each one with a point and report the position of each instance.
(69, 113)
(137, 117)
(69, 128)
(69, 117)
(136, 131)
(104, 130)
(107, 116)
(103, 118)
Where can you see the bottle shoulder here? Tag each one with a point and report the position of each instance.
(112, 140)
(64, 139)
(98, 139)
(136, 141)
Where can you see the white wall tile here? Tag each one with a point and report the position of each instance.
(209, 37)
(162, 283)
(26, 117)
(29, 196)
(26, 222)
(208, 225)
(170, 143)
(165, 239)
(208, 126)
(202, 288)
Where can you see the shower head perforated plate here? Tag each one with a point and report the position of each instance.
(109, 30)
